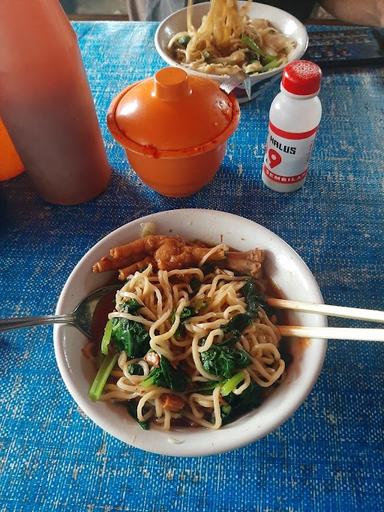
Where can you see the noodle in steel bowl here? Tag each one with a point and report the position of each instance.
(191, 341)
(229, 42)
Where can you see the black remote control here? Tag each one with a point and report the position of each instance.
(358, 46)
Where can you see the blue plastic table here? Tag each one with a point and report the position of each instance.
(329, 455)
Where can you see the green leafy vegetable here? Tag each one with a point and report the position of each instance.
(230, 384)
(205, 388)
(106, 337)
(130, 336)
(267, 59)
(231, 340)
(238, 323)
(195, 285)
(155, 378)
(183, 41)
(271, 65)
(254, 298)
(131, 306)
(241, 404)
(261, 56)
(224, 361)
(202, 341)
(234, 328)
(132, 409)
(166, 376)
(252, 45)
(208, 268)
(226, 410)
(175, 379)
(135, 369)
(102, 375)
(207, 56)
(186, 313)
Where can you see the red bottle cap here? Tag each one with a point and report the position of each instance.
(301, 77)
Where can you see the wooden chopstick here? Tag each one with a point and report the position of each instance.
(336, 333)
(370, 315)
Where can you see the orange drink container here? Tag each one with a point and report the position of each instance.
(46, 102)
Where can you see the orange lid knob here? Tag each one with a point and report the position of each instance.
(172, 84)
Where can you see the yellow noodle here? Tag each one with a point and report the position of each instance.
(244, 385)
(197, 361)
(218, 333)
(163, 296)
(158, 408)
(216, 411)
(219, 37)
(217, 248)
(167, 420)
(128, 316)
(187, 271)
(157, 341)
(154, 393)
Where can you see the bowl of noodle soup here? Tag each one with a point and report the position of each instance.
(279, 36)
(304, 359)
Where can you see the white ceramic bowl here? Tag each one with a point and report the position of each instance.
(286, 269)
(285, 22)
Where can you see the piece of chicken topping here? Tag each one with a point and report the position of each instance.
(172, 253)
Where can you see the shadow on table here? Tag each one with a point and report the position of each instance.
(22, 209)
(233, 189)
(5, 347)
(239, 191)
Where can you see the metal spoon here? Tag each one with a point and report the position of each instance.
(81, 316)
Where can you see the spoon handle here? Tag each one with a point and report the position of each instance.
(28, 321)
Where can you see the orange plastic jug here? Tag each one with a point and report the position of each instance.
(46, 103)
(10, 163)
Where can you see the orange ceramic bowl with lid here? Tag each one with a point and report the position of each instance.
(174, 128)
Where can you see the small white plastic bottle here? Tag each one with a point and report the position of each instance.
(294, 118)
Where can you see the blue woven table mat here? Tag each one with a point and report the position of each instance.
(330, 454)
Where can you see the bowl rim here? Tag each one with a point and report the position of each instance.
(260, 76)
(176, 449)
